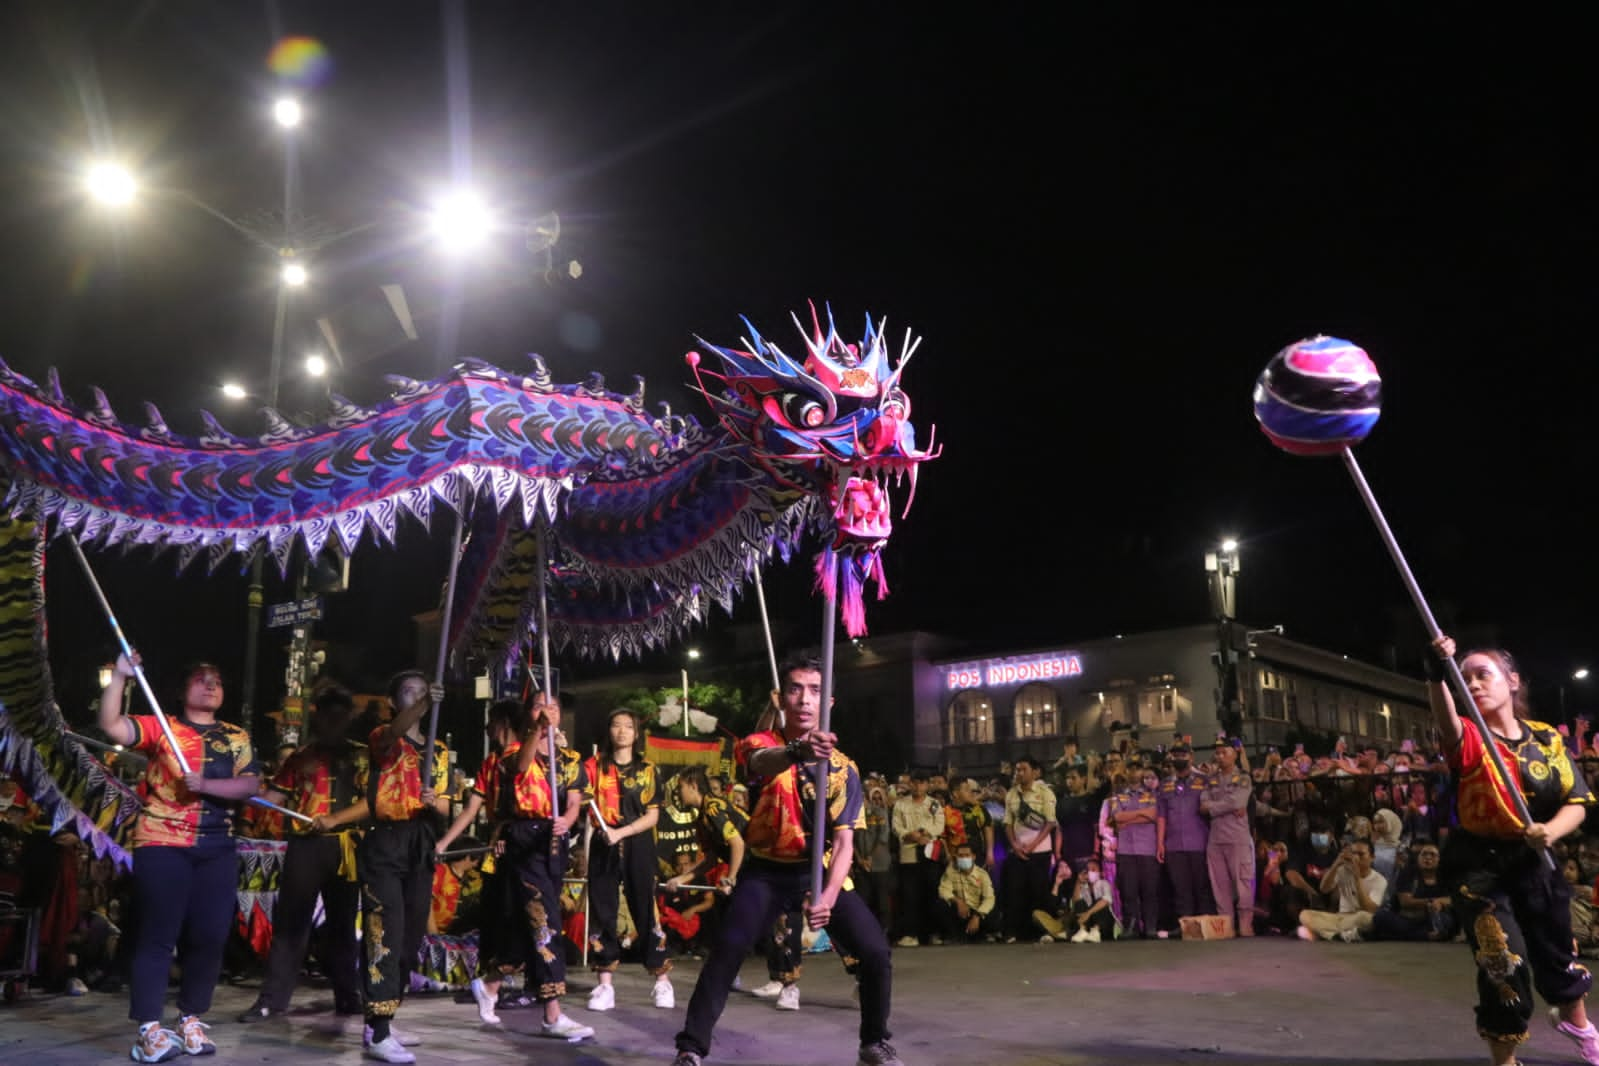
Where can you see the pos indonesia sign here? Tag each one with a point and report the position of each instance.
(1015, 670)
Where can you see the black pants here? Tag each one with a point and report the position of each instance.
(918, 891)
(876, 888)
(1138, 881)
(1025, 881)
(185, 898)
(1509, 900)
(395, 864)
(526, 910)
(953, 925)
(1190, 882)
(625, 869)
(311, 869)
(765, 890)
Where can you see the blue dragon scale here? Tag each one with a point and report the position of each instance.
(647, 520)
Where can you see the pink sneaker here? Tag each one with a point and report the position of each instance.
(1586, 1039)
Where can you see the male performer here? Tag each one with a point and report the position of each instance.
(320, 781)
(776, 874)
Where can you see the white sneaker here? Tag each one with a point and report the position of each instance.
(769, 990)
(1587, 1040)
(389, 1049)
(155, 1044)
(195, 1042)
(566, 1029)
(1093, 937)
(485, 1003)
(1080, 936)
(403, 1038)
(1351, 936)
(788, 998)
(662, 994)
(602, 998)
(907, 942)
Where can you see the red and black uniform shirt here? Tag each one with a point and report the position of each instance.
(1540, 767)
(624, 794)
(393, 780)
(321, 779)
(783, 806)
(966, 827)
(173, 816)
(507, 794)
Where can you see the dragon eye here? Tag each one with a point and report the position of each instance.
(897, 405)
(802, 411)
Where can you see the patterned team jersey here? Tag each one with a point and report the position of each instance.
(320, 779)
(506, 795)
(396, 792)
(966, 827)
(717, 825)
(782, 807)
(173, 816)
(1539, 766)
(623, 793)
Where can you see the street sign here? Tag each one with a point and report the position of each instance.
(294, 613)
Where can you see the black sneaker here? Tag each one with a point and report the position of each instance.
(881, 1053)
(258, 1012)
(686, 1058)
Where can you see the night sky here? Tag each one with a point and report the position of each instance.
(1103, 225)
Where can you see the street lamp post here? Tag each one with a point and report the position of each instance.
(693, 653)
(1579, 675)
(1221, 569)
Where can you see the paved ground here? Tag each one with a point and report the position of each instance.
(1267, 1002)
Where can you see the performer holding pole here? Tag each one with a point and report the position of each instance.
(781, 839)
(321, 781)
(395, 858)
(185, 861)
(1518, 789)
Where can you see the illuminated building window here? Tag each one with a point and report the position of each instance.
(1114, 710)
(971, 719)
(1157, 708)
(1037, 709)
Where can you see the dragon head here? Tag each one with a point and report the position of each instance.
(835, 423)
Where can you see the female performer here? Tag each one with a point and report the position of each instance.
(395, 858)
(1514, 907)
(622, 860)
(185, 865)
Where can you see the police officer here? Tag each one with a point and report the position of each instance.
(1132, 811)
(1181, 833)
(1230, 853)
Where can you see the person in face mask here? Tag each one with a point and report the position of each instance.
(1303, 871)
(1091, 914)
(1132, 812)
(1182, 834)
(966, 899)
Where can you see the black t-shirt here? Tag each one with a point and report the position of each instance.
(1078, 818)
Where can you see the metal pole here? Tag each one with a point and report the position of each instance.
(255, 596)
(544, 652)
(824, 720)
(444, 641)
(1457, 682)
(685, 701)
(771, 653)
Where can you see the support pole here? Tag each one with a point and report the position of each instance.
(444, 640)
(824, 721)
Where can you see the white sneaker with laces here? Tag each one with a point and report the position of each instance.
(1093, 937)
(769, 990)
(485, 1003)
(194, 1038)
(389, 1049)
(566, 1029)
(662, 994)
(1587, 1040)
(1079, 936)
(788, 998)
(155, 1044)
(907, 942)
(404, 1039)
(602, 998)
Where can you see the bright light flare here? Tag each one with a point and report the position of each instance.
(286, 112)
(111, 184)
(693, 653)
(294, 275)
(234, 391)
(316, 366)
(1229, 545)
(1580, 674)
(461, 221)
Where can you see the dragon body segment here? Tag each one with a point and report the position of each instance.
(648, 520)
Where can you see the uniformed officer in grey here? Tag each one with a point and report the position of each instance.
(1181, 834)
(1230, 853)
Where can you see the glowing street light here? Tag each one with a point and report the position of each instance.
(286, 112)
(1580, 674)
(1229, 545)
(234, 391)
(294, 275)
(316, 366)
(461, 221)
(111, 184)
